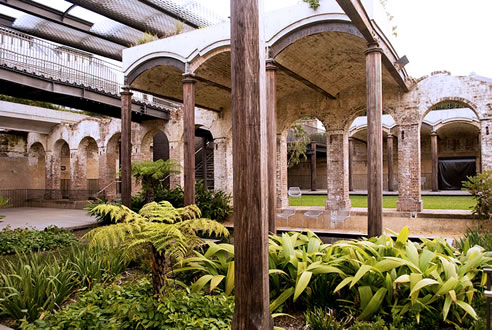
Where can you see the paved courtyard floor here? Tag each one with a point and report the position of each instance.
(40, 218)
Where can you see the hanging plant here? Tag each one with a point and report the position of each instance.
(314, 4)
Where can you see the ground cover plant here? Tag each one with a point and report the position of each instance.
(430, 202)
(32, 284)
(26, 239)
(480, 186)
(402, 282)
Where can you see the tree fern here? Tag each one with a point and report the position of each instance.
(171, 232)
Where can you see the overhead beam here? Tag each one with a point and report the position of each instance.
(212, 83)
(359, 17)
(6, 20)
(304, 80)
(168, 13)
(53, 15)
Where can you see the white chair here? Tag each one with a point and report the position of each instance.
(287, 213)
(314, 213)
(294, 192)
(338, 218)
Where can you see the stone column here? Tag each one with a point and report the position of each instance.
(53, 174)
(221, 169)
(486, 142)
(78, 174)
(189, 138)
(435, 163)
(250, 164)
(313, 165)
(338, 197)
(350, 155)
(409, 168)
(126, 145)
(389, 146)
(176, 152)
(374, 91)
(204, 162)
(282, 171)
(271, 107)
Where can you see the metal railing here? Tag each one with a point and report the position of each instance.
(45, 59)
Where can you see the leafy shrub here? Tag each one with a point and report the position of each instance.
(33, 283)
(24, 240)
(475, 236)
(214, 204)
(321, 319)
(132, 306)
(379, 276)
(480, 186)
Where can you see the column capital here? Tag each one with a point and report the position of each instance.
(389, 136)
(189, 78)
(433, 133)
(125, 90)
(373, 48)
(270, 65)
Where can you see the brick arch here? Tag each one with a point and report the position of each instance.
(467, 104)
(152, 62)
(37, 165)
(210, 52)
(147, 142)
(34, 141)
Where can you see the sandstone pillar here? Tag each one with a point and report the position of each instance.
(282, 171)
(189, 138)
(389, 146)
(250, 164)
(337, 170)
(486, 142)
(126, 145)
(271, 107)
(409, 168)
(221, 165)
(435, 163)
(374, 91)
(204, 162)
(313, 165)
(350, 155)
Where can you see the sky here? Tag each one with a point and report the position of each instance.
(435, 35)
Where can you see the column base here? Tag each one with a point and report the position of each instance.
(409, 205)
(336, 205)
(282, 202)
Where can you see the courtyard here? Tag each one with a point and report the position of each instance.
(154, 154)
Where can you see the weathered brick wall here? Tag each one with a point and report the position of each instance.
(337, 170)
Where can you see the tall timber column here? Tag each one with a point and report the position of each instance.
(374, 90)
(189, 138)
(126, 145)
(271, 107)
(350, 155)
(250, 167)
(389, 145)
(434, 151)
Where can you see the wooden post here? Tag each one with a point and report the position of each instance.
(250, 165)
(389, 144)
(126, 145)
(374, 141)
(204, 162)
(351, 152)
(189, 138)
(271, 106)
(435, 164)
(313, 165)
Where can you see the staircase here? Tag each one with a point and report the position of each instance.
(210, 163)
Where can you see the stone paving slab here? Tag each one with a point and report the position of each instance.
(40, 218)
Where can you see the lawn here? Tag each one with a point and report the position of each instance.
(430, 202)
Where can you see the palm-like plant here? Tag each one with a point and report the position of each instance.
(150, 173)
(171, 233)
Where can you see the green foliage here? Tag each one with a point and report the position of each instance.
(326, 319)
(475, 236)
(24, 240)
(132, 306)
(214, 204)
(379, 276)
(29, 102)
(480, 186)
(4, 203)
(150, 173)
(145, 38)
(314, 4)
(297, 148)
(33, 284)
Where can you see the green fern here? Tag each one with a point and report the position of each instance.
(172, 232)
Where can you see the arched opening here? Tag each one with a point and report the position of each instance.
(204, 157)
(37, 166)
(358, 154)
(450, 146)
(113, 152)
(160, 146)
(306, 155)
(88, 164)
